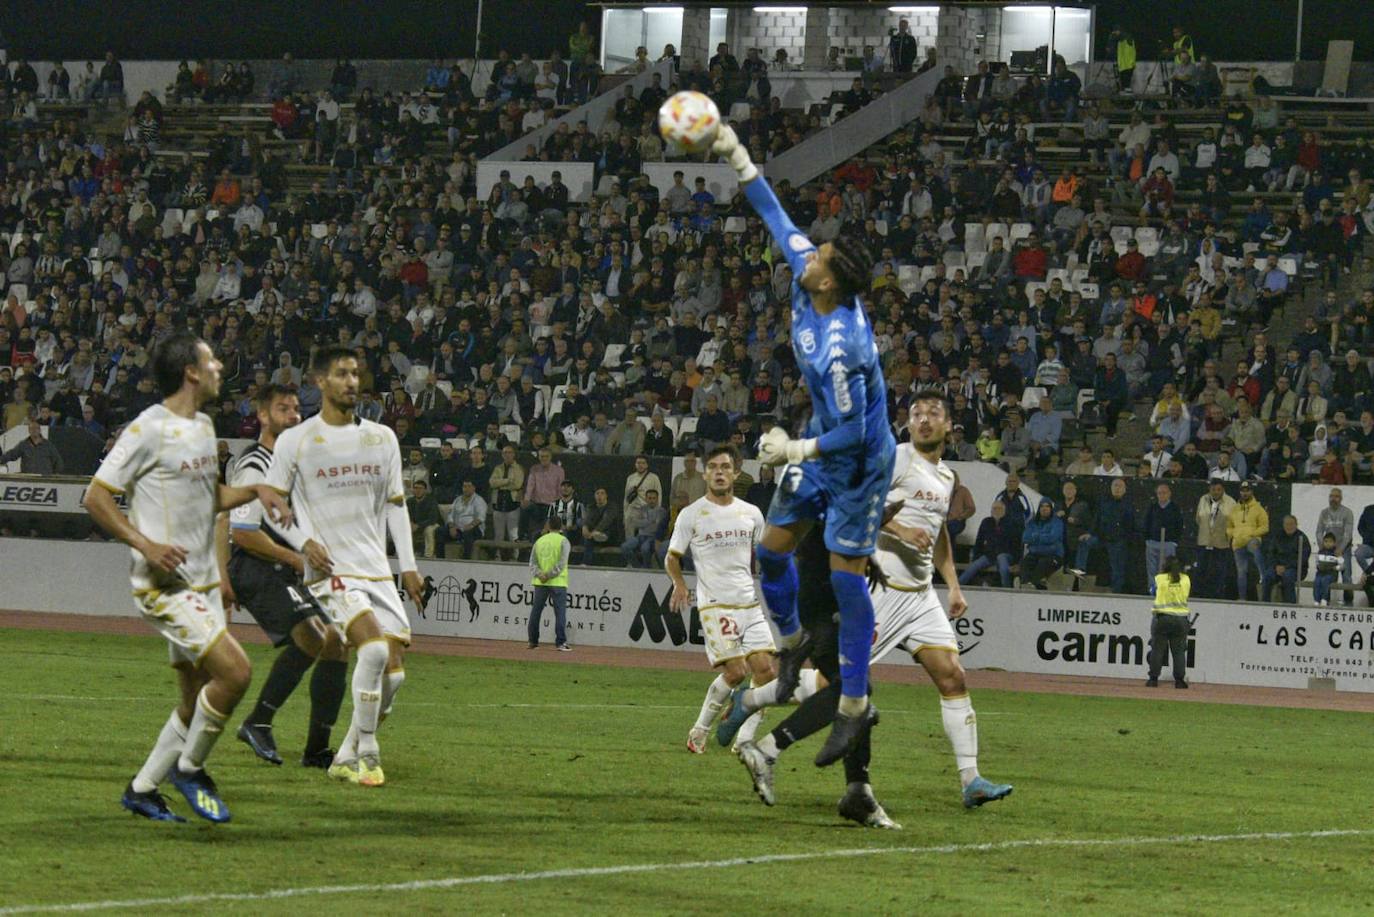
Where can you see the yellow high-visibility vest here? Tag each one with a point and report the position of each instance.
(1172, 598)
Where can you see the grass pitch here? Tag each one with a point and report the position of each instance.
(497, 769)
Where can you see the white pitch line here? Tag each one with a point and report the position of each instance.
(634, 868)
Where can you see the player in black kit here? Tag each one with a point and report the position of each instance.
(265, 574)
(820, 616)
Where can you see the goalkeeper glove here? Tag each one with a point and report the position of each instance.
(728, 147)
(777, 448)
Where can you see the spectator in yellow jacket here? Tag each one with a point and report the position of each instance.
(1246, 526)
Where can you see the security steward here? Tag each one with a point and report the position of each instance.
(1169, 629)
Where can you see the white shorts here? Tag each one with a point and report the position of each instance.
(735, 633)
(912, 620)
(190, 621)
(344, 598)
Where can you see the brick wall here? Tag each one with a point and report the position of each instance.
(957, 42)
(768, 32)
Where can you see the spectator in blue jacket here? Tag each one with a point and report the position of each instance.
(1111, 392)
(1044, 539)
(1162, 526)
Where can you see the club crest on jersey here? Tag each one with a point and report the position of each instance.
(807, 341)
(372, 439)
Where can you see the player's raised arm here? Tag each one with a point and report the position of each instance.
(796, 247)
(846, 397)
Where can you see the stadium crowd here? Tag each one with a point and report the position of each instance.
(1049, 296)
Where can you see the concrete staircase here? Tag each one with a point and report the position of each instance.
(849, 136)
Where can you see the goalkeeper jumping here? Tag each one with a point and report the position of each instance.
(841, 472)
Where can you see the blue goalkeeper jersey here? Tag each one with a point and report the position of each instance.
(838, 360)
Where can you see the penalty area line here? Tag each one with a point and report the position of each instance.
(510, 878)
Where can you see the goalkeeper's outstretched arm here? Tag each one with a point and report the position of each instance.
(795, 246)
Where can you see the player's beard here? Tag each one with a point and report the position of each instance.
(934, 444)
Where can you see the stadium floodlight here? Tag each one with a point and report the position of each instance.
(663, 9)
(913, 9)
(780, 9)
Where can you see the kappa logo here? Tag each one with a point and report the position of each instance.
(807, 341)
(372, 439)
(798, 242)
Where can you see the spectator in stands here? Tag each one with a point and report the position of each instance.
(1158, 458)
(1014, 499)
(1337, 522)
(1108, 466)
(571, 510)
(542, 486)
(425, 519)
(1079, 521)
(637, 484)
(1162, 527)
(600, 525)
(467, 518)
(688, 486)
(1247, 527)
(1085, 463)
(1044, 541)
(1285, 560)
(507, 489)
(902, 50)
(35, 454)
(760, 493)
(998, 545)
(646, 528)
(1215, 563)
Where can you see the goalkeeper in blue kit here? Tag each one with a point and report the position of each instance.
(842, 470)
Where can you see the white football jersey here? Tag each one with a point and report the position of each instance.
(340, 479)
(168, 471)
(924, 489)
(721, 540)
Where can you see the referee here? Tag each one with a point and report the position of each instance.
(1169, 629)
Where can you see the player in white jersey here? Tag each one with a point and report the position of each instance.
(343, 474)
(720, 532)
(165, 466)
(912, 545)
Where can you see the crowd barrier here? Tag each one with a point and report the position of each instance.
(1098, 635)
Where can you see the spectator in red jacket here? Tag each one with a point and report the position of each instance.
(1030, 261)
(1131, 266)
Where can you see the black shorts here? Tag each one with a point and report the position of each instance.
(273, 595)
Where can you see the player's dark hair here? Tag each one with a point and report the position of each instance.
(725, 449)
(555, 522)
(270, 393)
(326, 356)
(932, 393)
(852, 265)
(171, 357)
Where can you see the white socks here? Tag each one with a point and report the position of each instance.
(164, 754)
(807, 686)
(368, 680)
(390, 685)
(749, 727)
(961, 725)
(204, 731)
(716, 696)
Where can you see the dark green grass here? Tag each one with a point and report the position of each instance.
(593, 773)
